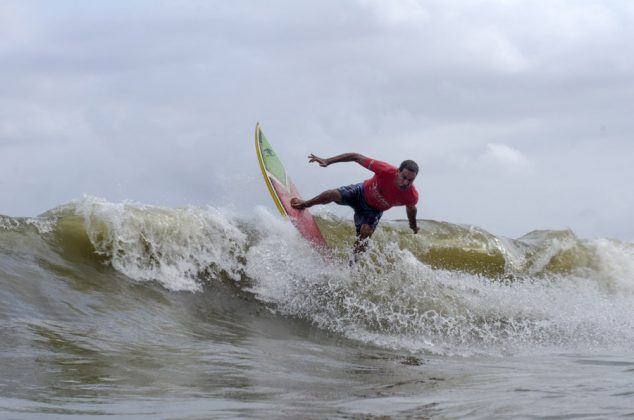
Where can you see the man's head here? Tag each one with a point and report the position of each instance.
(406, 174)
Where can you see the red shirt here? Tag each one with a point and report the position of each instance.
(381, 191)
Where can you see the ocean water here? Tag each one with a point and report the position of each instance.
(137, 311)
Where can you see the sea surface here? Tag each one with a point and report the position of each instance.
(135, 311)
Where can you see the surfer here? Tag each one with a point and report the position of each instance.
(389, 187)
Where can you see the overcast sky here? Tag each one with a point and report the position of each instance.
(520, 113)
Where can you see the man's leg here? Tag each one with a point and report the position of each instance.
(326, 197)
(361, 243)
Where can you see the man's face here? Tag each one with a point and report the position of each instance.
(405, 178)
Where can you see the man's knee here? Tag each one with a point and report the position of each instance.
(334, 195)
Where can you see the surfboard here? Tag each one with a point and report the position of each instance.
(282, 189)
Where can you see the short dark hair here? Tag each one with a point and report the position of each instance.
(410, 165)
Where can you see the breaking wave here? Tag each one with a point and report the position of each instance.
(451, 289)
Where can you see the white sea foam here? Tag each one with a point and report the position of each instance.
(616, 265)
(390, 298)
(171, 246)
(42, 225)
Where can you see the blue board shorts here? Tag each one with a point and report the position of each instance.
(352, 195)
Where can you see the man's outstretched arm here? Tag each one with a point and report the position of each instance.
(411, 216)
(346, 157)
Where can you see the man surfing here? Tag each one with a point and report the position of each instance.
(389, 187)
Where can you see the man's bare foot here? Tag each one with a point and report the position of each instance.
(298, 204)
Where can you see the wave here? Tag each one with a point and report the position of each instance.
(451, 289)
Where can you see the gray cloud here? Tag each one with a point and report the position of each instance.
(519, 112)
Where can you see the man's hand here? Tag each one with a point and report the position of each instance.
(346, 157)
(322, 162)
